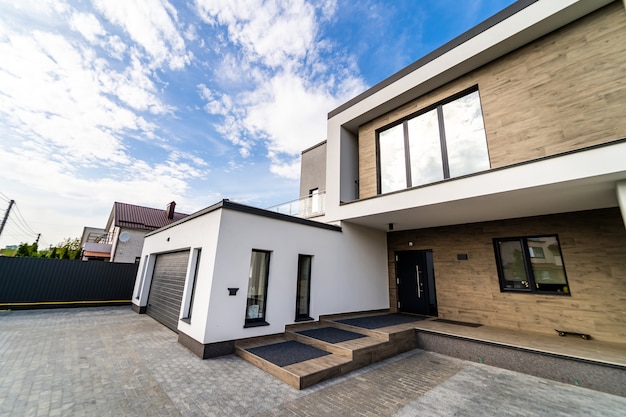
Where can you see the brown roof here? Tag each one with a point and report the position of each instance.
(139, 217)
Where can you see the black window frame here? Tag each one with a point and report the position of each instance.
(260, 321)
(442, 140)
(194, 278)
(533, 287)
(304, 316)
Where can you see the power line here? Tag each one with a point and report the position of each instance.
(20, 217)
(11, 222)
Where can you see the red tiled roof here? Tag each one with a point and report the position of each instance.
(139, 217)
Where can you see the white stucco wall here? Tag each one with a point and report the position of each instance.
(348, 273)
(349, 270)
(199, 233)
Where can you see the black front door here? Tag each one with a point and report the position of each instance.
(416, 282)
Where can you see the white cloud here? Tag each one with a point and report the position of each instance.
(115, 47)
(290, 113)
(151, 24)
(287, 169)
(286, 87)
(87, 25)
(273, 32)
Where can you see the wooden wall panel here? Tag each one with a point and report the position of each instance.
(563, 92)
(593, 245)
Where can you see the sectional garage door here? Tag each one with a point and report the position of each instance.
(166, 291)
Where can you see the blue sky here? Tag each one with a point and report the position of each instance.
(151, 101)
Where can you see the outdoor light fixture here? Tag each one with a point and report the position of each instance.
(233, 291)
(390, 226)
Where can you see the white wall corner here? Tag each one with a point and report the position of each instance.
(621, 197)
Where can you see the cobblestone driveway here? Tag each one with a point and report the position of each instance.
(113, 362)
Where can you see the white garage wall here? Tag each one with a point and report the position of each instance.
(348, 272)
(201, 232)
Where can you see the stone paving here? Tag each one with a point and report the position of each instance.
(112, 362)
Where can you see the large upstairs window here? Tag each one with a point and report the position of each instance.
(443, 141)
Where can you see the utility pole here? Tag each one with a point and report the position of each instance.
(6, 216)
(38, 236)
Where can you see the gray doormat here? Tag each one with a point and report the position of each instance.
(376, 322)
(331, 334)
(459, 323)
(287, 353)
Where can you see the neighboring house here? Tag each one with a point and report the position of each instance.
(483, 183)
(122, 238)
(95, 244)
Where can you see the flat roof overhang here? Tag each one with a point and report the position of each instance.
(575, 181)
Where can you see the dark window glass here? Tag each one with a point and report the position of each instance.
(303, 295)
(532, 264)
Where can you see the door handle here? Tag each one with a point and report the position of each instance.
(418, 281)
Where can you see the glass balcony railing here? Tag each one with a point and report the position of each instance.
(305, 207)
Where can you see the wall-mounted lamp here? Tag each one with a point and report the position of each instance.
(390, 226)
(233, 291)
(168, 239)
(410, 244)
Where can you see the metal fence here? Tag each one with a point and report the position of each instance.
(46, 283)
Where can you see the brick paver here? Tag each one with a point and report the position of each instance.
(113, 362)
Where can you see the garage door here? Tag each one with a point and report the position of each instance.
(166, 291)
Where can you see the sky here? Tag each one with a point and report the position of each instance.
(151, 101)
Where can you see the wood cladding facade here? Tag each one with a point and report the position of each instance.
(563, 92)
(593, 246)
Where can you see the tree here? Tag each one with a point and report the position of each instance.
(69, 248)
(25, 250)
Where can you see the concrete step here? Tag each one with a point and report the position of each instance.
(344, 356)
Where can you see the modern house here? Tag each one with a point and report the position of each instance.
(484, 183)
(122, 238)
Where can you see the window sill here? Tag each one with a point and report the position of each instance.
(186, 320)
(298, 319)
(256, 324)
(526, 291)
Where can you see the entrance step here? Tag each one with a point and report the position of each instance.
(309, 353)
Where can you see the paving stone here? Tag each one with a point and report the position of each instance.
(112, 362)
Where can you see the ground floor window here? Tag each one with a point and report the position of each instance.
(531, 264)
(257, 288)
(303, 291)
(195, 264)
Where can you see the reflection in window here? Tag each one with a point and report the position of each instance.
(257, 288)
(392, 163)
(425, 149)
(531, 264)
(444, 142)
(465, 136)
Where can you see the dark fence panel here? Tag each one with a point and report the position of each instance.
(42, 282)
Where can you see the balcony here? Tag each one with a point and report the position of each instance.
(98, 245)
(305, 207)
